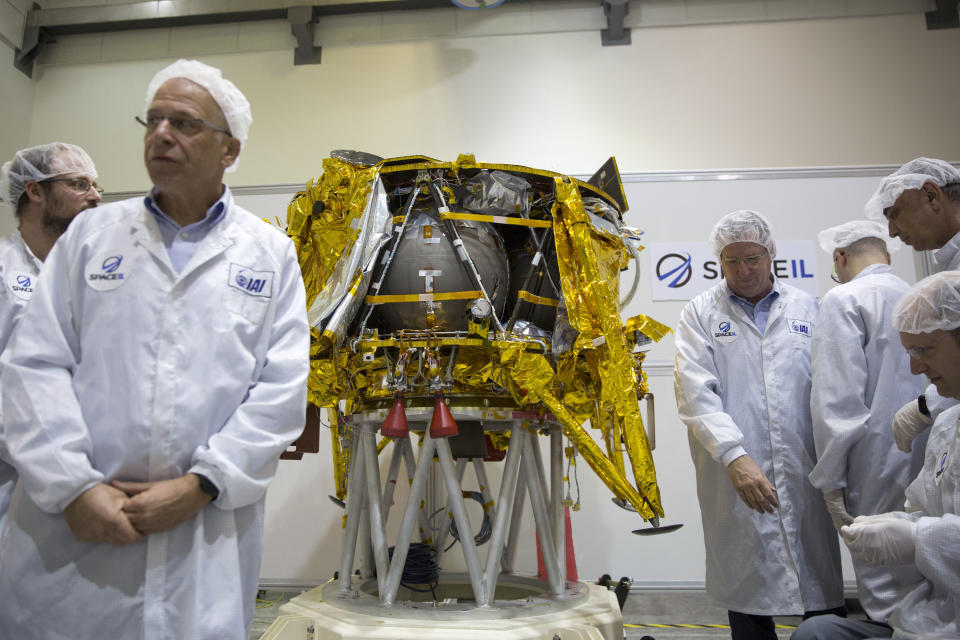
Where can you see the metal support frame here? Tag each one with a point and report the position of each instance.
(302, 23)
(369, 501)
(615, 33)
(945, 16)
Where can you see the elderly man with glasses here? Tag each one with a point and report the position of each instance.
(46, 187)
(742, 381)
(146, 409)
(920, 204)
(861, 377)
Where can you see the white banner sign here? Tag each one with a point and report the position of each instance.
(683, 270)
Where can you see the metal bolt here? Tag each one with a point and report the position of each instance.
(311, 630)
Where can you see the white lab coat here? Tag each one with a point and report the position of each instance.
(18, 276)
(861, 376)
(947, 258)
(931, 607)
(742, 392)
(131, 371)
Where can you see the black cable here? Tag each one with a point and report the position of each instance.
(421, 568)
(486, 527)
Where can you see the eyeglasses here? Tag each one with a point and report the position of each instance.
(187, 126)
(80, 185)
(920, 351)
(750, 261)
(833, 274)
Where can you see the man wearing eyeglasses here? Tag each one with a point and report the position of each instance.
(920, 204)
(742, 381)
(861, 377)
(46, 187)
(146, 409)
(919, 540)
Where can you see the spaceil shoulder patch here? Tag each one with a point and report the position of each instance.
(21, 284)
(725, 331)
(802, 327)
(108, 269)
(250, 281)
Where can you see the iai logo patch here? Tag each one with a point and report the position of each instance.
(801, 327)
(251, 282)
(108, 270)
(725, 331)
(21, 285)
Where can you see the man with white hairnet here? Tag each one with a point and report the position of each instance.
(861, 376)
(46, 187)
(922, 540)
(920, 203)
(742, 381)
(146, 409)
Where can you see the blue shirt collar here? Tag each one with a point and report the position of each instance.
(766, 301)
(214, 214)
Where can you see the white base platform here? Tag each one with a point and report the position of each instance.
(523, 610)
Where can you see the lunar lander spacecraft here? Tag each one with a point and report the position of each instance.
(461, 310)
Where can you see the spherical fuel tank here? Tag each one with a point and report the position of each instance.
(426, 262)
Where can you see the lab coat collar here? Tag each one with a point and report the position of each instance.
(776, 305)
(879, 267)
(27, 254)
(947, 254)
(146, 231)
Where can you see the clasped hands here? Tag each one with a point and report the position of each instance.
(124, 513)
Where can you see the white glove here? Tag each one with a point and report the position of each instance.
(908, 423)
(837, 507)
(884, 539)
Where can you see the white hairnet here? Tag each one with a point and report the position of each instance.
(742, 226)
(912, 175)
(231, 101)
(844, 235)
(933, 304)
(36, 164)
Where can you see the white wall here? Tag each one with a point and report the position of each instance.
(817, 92)
(15, 114)
(861, 91)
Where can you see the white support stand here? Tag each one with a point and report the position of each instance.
(486, 602)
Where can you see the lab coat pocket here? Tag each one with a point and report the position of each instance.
(251, 308)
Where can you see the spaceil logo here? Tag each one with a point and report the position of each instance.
(682, 271)
(20, 284)
(23, 284)
(109, 269)
(675, 267)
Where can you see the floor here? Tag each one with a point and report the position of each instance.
(657, 615)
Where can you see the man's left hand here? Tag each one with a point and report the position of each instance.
(154, 507)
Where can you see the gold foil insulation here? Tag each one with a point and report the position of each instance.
(597, 380)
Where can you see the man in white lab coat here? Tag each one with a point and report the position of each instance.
(45, 186)
(920, 203)
(146, 409)
(742, 382)
(861, 377)
(921, 540)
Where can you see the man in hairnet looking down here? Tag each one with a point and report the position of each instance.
(861, 376)
(146, 409)
(920, 203)
(742, 381)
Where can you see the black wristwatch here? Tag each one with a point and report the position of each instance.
(208, 487)
(922, 404)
